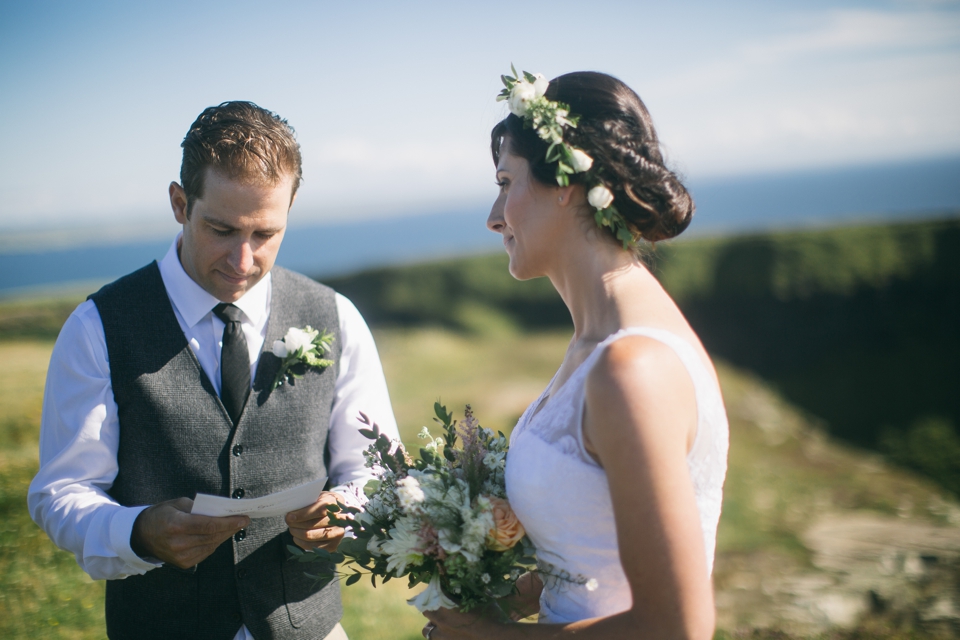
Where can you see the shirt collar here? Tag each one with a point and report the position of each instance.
(193, 302)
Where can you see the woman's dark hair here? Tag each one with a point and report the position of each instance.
(616, 130)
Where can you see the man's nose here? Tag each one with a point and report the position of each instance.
(495, 220)
(241, 258)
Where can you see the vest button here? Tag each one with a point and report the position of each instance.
(240, 535)
(238, 493)
(237, 449)
(241, 573)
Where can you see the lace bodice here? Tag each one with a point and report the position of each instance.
(562, 498)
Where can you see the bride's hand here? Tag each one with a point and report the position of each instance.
(449, 624)
(526, 602)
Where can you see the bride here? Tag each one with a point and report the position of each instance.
(616, 471)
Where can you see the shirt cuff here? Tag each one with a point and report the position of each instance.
(121, 528)
(352, 492)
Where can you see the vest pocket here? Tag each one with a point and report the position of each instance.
(302, 596)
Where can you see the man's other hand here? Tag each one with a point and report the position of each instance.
(169, 532)
(310, 526)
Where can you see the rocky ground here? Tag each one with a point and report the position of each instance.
(818, 538)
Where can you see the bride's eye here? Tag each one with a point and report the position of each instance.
(501, 183)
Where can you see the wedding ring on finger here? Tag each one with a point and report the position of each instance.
(428, 629)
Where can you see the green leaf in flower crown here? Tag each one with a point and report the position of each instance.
(553, 152)
(562, 179)
(529, 77)
(514, 69)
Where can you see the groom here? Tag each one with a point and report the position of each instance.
(160, 387)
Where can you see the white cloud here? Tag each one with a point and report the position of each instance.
(849, 86)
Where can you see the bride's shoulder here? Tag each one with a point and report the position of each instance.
(635, 363)
(639, 390)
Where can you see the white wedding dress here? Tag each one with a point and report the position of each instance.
(561, 495)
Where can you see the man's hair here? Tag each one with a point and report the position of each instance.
(242, 142)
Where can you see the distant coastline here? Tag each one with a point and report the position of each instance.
(822, 198)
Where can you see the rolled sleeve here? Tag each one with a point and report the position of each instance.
(79, 436)
(360, 387)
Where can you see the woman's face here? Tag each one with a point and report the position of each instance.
(526, 215)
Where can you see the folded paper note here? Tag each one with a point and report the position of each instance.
(276, 504)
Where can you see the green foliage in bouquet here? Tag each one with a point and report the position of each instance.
(442, 519)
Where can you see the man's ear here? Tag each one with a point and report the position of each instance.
(178, 202)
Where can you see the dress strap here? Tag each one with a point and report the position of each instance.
(703, 384)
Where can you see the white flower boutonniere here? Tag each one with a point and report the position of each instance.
(305, 347)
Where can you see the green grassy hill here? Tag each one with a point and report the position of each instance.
(859, 326)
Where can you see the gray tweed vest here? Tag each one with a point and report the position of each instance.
(176, 440)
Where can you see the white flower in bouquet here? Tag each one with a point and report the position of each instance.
(409, 493)
(402, 547)
(373, 546)
(580, 161)
(600, 197)
(432, 598)
(477, 523)
(495, 460)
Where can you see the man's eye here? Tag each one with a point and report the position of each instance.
(221, 232)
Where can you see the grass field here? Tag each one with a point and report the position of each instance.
(783, 475)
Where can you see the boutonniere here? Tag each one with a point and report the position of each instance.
(305, 346)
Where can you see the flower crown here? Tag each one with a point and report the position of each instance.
(525, 97)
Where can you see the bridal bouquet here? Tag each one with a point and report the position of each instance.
(442, 519)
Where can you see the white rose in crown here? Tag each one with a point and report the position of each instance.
(522, 94)
(540, 85)
(600, 197)
(580, 161)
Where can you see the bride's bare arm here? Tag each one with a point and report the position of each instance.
(640, 416)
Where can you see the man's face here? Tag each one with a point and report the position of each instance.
(232, 236)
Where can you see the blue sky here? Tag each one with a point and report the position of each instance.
(393, 102)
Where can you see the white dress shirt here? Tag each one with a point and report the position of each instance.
(80, 432)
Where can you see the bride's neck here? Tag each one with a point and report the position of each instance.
(602, 286)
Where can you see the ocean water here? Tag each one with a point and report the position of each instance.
(884, 192)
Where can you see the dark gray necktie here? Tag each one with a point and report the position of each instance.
(234, 362)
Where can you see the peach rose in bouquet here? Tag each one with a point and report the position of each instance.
(507, 530)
